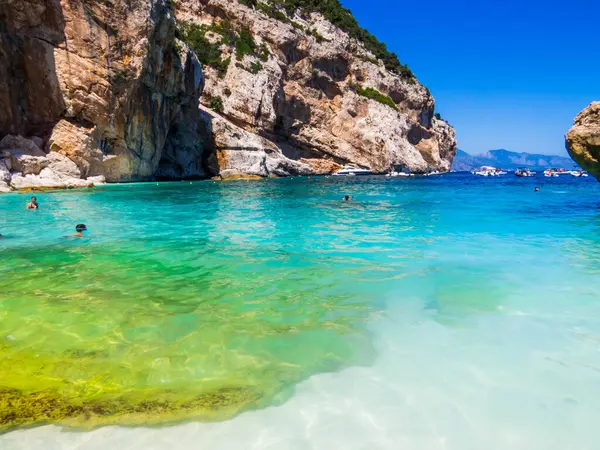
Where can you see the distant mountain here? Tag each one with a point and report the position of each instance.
(464, 162)
(505, 159)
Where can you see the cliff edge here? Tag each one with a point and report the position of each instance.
(583, 140)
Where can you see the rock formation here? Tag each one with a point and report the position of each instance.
(583, 140)
(23, 165)
(305, 85)
(239, 153)
(106, 84)
(113, 87)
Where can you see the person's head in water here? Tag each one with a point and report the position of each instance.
(537, 189)
(346, 198)
(80, 229)
(33, 203)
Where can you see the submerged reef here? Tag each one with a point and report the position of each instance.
(21, 409)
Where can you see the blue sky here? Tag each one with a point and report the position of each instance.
(506, 74)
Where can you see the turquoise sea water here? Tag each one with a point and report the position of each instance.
(451, 312)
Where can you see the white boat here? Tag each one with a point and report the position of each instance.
(550, 173)
(399, 174)
(578, 173)
(562, 172)
(352, 171)
(488, 171)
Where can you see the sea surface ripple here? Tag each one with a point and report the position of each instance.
(451, 312)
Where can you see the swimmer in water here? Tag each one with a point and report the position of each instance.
(346, 198)
(33, 204)
(537, 189)
(80, 229)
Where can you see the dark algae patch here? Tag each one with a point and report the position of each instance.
(18, 409)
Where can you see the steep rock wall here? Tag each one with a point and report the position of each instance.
(304, 88)
(583, 140)
(105, 83)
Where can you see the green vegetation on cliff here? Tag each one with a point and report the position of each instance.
(216, 104)
(438, 116)
(342, 18)
(245, 44)
(374, 94)
(210, 54)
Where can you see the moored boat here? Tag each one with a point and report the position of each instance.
(524, 173)
(352, 171)
(399, 171)
(399, 174)
(488, 171)
(578, 173)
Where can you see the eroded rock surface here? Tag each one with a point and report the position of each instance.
(239, 153)
(583, 140)
(24, 165)
(106, 83)
(303, 85)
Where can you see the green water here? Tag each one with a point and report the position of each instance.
(178, 304)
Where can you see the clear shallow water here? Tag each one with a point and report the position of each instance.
(451, 312)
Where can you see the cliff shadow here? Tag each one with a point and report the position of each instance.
(187, 150)
(30, 94)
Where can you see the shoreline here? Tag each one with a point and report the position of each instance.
(240, 177)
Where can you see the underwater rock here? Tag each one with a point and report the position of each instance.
(19, 409)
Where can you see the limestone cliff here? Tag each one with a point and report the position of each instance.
(104, 83)
(114, 88)
(313, 90)
(583, 140)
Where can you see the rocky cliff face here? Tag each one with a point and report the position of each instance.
(583, 140)
(104, 83)
(113, 87)
(307, 87)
